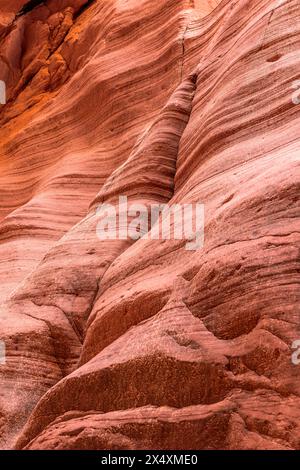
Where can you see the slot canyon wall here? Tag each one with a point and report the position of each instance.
(142, 344)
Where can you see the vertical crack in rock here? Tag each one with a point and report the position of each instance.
(29, 6)
(49, 68)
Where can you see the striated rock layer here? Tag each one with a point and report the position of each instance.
(134, 344)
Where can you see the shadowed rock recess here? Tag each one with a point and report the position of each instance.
(124, 344)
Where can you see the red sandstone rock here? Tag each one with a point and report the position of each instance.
(123, 344)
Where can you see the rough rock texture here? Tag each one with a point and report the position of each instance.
(123, 344)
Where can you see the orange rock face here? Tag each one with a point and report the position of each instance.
(141, 343)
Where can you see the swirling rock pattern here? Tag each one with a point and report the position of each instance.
(123, 344)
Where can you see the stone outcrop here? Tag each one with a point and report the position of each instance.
(134, 344)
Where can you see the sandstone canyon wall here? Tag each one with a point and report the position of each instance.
(142, 344)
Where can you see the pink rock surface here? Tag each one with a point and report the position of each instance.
(142, 344)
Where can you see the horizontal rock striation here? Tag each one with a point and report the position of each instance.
(143, 344)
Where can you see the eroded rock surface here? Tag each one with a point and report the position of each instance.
(132, 344)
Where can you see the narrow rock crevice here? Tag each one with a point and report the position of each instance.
(29, 6)
(183, 52)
